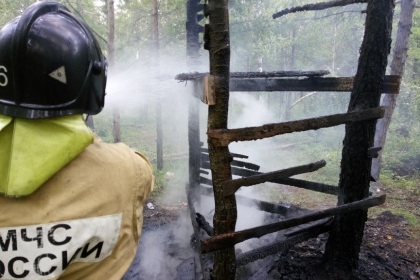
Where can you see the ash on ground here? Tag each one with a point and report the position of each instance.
(388, 251)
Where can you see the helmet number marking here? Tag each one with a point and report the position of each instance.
(3, 77)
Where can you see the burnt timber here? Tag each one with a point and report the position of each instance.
(272, 81)
(222, 137)
(226, 240)
(213, 89)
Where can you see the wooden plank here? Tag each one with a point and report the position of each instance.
(229, 239)
(223, 137)
(231, 186)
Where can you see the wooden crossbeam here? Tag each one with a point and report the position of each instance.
(223, 137)
(230, 187)
(226, 240)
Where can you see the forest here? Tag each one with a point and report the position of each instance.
(315, 40)
(148, 49)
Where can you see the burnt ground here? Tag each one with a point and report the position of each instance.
(390, 250)
(387, 252)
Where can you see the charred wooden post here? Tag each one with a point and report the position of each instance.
(224, 220)
(193, 196)
(226, 240)
(223, 137)
(356, 164)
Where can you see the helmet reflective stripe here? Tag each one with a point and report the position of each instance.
(50, 65)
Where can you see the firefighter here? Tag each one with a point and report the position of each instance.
(70, 204)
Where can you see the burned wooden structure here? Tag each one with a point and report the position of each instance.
(213, 89)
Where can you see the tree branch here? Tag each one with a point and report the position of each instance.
(317, 6)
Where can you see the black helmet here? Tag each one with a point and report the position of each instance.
(50, 65)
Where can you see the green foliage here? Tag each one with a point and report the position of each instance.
(11, 9)
(401, 154)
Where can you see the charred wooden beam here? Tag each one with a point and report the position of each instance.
(249, 82)
(373, 152)
(299, 183)
(247, 165)
(201, 221)
(273, 74)
(237, 163)
(206, 181)
(197, 235)
(223, 137)
(233, 155)
(345, 84)
(317, 6)
(304, 227)
(274, 208)
(283, 244)
(279, 74)
(231, 186)
(313, 186)
(204, 172)
(229, 239)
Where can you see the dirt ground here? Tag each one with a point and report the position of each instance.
(390, 250)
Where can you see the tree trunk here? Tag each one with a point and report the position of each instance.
(116, 128)
(343, 246)
(225, 215)
(397, 68)
(159, 130)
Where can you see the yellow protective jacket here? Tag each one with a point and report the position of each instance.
(82, 223)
